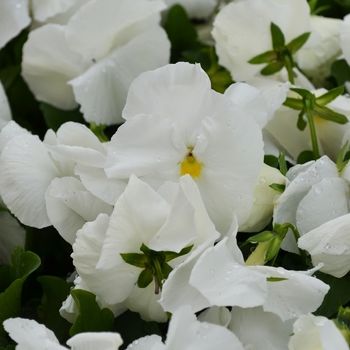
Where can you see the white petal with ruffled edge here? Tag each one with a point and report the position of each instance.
(14, 16)
(44, 9)
(258, 329)
(5, 112)
(195, 8)
(93, 341)
(329, 244)
(48, 64)
(30, 335)
(26, 172)
(69, 206)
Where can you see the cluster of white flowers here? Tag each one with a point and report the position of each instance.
(153, 214)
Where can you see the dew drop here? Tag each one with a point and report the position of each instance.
(328, 246)
(318, 190)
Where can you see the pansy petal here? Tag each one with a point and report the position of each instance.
(132, 225)
(30, 335)
(5, 112)
(122, 20)
(98, 340)
(14, 16)
(26, 172)
(297, 294)
(96, 181)
(216, 315)
(102, 89)
(86, 253)
(251, 100)
(127, 153)
(43, 9)
(258, 329)
(69, 205)
(11, 130)
(329, 244)
(48, 64)
(223, 281)
(325, 201)
(145, 302)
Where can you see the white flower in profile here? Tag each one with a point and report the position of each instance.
(93, 59)
(314, 195)
(177, 125)
(30, 335)
(242, 31)
(38, 183)
(186, 332)
(283, 128)
(147, 235)
(329, 244)
(195, 8)
(316, 332)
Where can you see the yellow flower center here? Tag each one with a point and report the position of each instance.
(191, 166)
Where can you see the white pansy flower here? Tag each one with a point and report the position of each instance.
(216, 315)
(329, 244)
(316, 332)
(92, 64)
(242, 31)
(177, 125)
(38, 183)
(345, 38)
(186, 332)
(144, 225)
(314, 195)
(30, 335)
(223, 278)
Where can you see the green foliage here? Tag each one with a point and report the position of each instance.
(22, 264)
(338, 294)
(56, 290)
(55, 117)
(340, 71)
(91, 317)
(305, 156)
(181, 33)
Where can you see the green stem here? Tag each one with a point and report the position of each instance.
(157, 276)
(289, 64)
(312, 130)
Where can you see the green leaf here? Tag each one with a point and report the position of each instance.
(277, 36)
(265, 57)
(282, 162)
(22, 264)
(298, 42)
(341, 161)
(305, 157)
(91, 317)
(275, 279)
(56, 290)
(273, 248)
(181, 32)
(271, 161)
(329, 96)
(278, 187)
(304, 93)
(172, 255)
(328, 114)
(338, 294)
(264, 236)
(135, 259)
(340, 71)
(312, 5)
(294, 103)
(272, 68)
(55, 117)
(145, 278)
